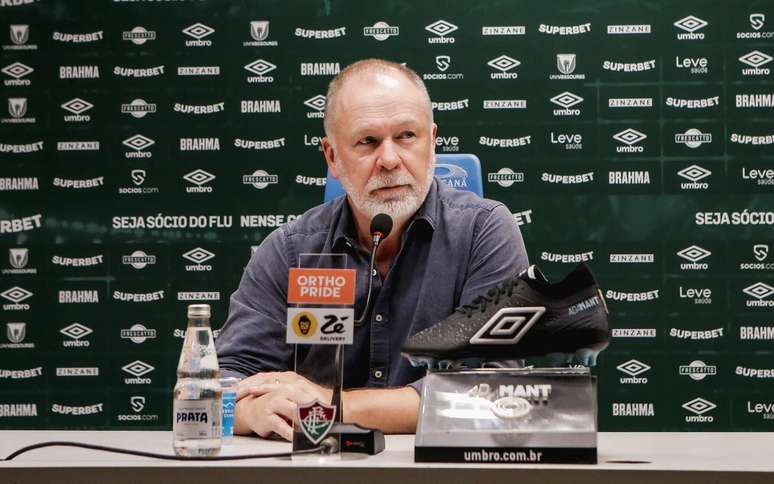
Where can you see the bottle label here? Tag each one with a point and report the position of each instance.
(196, 419)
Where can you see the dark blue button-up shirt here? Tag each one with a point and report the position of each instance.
(455, 247)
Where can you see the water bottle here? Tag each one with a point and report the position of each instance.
(229, 386)
(198, 397)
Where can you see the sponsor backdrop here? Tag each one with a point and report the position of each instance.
(146, 146)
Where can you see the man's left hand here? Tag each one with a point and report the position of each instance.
(267, 382)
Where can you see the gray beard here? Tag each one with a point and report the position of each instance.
(400, 209)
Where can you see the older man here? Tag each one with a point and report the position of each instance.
(446, 248)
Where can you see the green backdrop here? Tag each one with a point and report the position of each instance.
(634, 135)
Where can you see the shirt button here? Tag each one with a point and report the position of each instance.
(373, 273)
(378, 374)
(378, 318)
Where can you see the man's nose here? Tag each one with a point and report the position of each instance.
(388, 158)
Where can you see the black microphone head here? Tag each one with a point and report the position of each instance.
(381, 223)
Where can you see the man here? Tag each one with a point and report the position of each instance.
(446, 248)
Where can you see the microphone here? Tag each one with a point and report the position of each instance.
(381, 226)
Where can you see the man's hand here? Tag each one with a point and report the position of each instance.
(266, 382)
(266, 402)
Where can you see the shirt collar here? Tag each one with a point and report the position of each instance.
(345, 233)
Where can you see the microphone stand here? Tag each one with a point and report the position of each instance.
(338, 360)
(375, 241)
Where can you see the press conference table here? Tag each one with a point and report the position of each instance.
(623, 457)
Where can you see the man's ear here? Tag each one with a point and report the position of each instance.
(435, 132)
(330, 156)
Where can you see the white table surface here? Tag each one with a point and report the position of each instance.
(636, 457)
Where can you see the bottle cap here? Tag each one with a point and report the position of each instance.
(198, 310)
(229, 383)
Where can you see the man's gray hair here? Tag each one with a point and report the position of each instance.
(369, 66)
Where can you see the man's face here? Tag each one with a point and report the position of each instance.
(384, 144)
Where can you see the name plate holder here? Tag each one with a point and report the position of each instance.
(508, 416)
(320, 322)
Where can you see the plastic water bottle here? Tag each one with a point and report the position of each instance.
(229, 386)
(198, 397)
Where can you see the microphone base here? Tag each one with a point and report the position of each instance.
(357, 439)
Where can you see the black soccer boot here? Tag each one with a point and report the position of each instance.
(521, 317)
